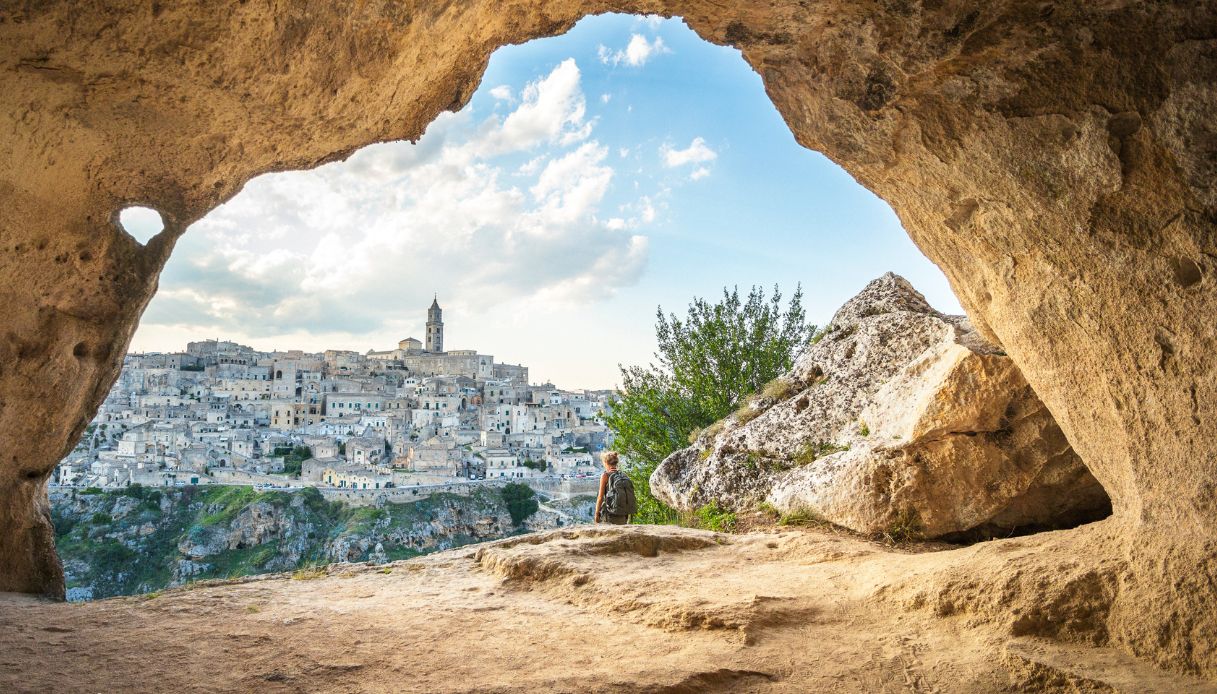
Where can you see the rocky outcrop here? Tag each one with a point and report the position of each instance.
(141, 539)
(898, 420)
(1056, 160)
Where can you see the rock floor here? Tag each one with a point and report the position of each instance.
(640, 608)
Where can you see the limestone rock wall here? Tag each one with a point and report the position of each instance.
(1055, 159)
(897, 421)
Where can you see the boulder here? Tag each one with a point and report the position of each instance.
(896, 420)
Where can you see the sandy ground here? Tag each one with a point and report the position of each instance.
(635, 609)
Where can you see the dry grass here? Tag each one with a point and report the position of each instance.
(778, 389)
(906, 527)
(310, 573)
(747, 413)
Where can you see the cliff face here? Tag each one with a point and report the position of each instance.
(141, 539)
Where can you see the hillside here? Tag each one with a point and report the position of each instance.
(141, 539)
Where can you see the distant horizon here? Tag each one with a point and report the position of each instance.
(594, 176)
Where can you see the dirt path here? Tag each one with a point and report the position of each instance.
(580, 610)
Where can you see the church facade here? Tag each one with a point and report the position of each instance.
(432, 360)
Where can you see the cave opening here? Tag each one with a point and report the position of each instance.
(141, 223)
(591, 177)
(1055, 162)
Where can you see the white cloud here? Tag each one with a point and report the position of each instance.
(635, 54)
(699, 173)
(697, 152)
(605, 98)
(571, 186)
(341, 249)
(532, 166)
(551, 109)
(503, 93)
(648, 210)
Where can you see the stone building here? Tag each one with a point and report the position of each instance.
(435, 328)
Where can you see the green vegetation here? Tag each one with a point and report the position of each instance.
(707, 366)
(801, 518)
(815, 339)
(105, 544)
(293, 458)
(711, 517)
(863, 429)
(521, 501)
(222, 504)
(535, 464)
(812, 451)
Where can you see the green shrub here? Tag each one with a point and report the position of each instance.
(801, 518)
(769, 509)
(812, 451)
(100, 518)
(707, 363)
(820, 335)
(754, 460)
(864, 430)
(711, 517)
(293, 458)
(91, 491)
(521, 501)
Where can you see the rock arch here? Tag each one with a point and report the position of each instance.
(1056, 159)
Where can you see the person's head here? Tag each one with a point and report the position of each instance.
(609, 459)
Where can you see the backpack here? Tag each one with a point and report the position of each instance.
(619, 495)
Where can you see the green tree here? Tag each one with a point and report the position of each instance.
(521, 501)
(293, 458)
(708, 363)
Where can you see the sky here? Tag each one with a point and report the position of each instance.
(593, 177)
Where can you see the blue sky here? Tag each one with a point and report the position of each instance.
(593, 176)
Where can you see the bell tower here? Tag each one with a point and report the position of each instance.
(435, 327)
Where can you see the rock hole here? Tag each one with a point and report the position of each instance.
(80, 351)
(141, 223)
(1187, 272)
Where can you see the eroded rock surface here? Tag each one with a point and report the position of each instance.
(898, 420)
(1056, 160)
(677, 610)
